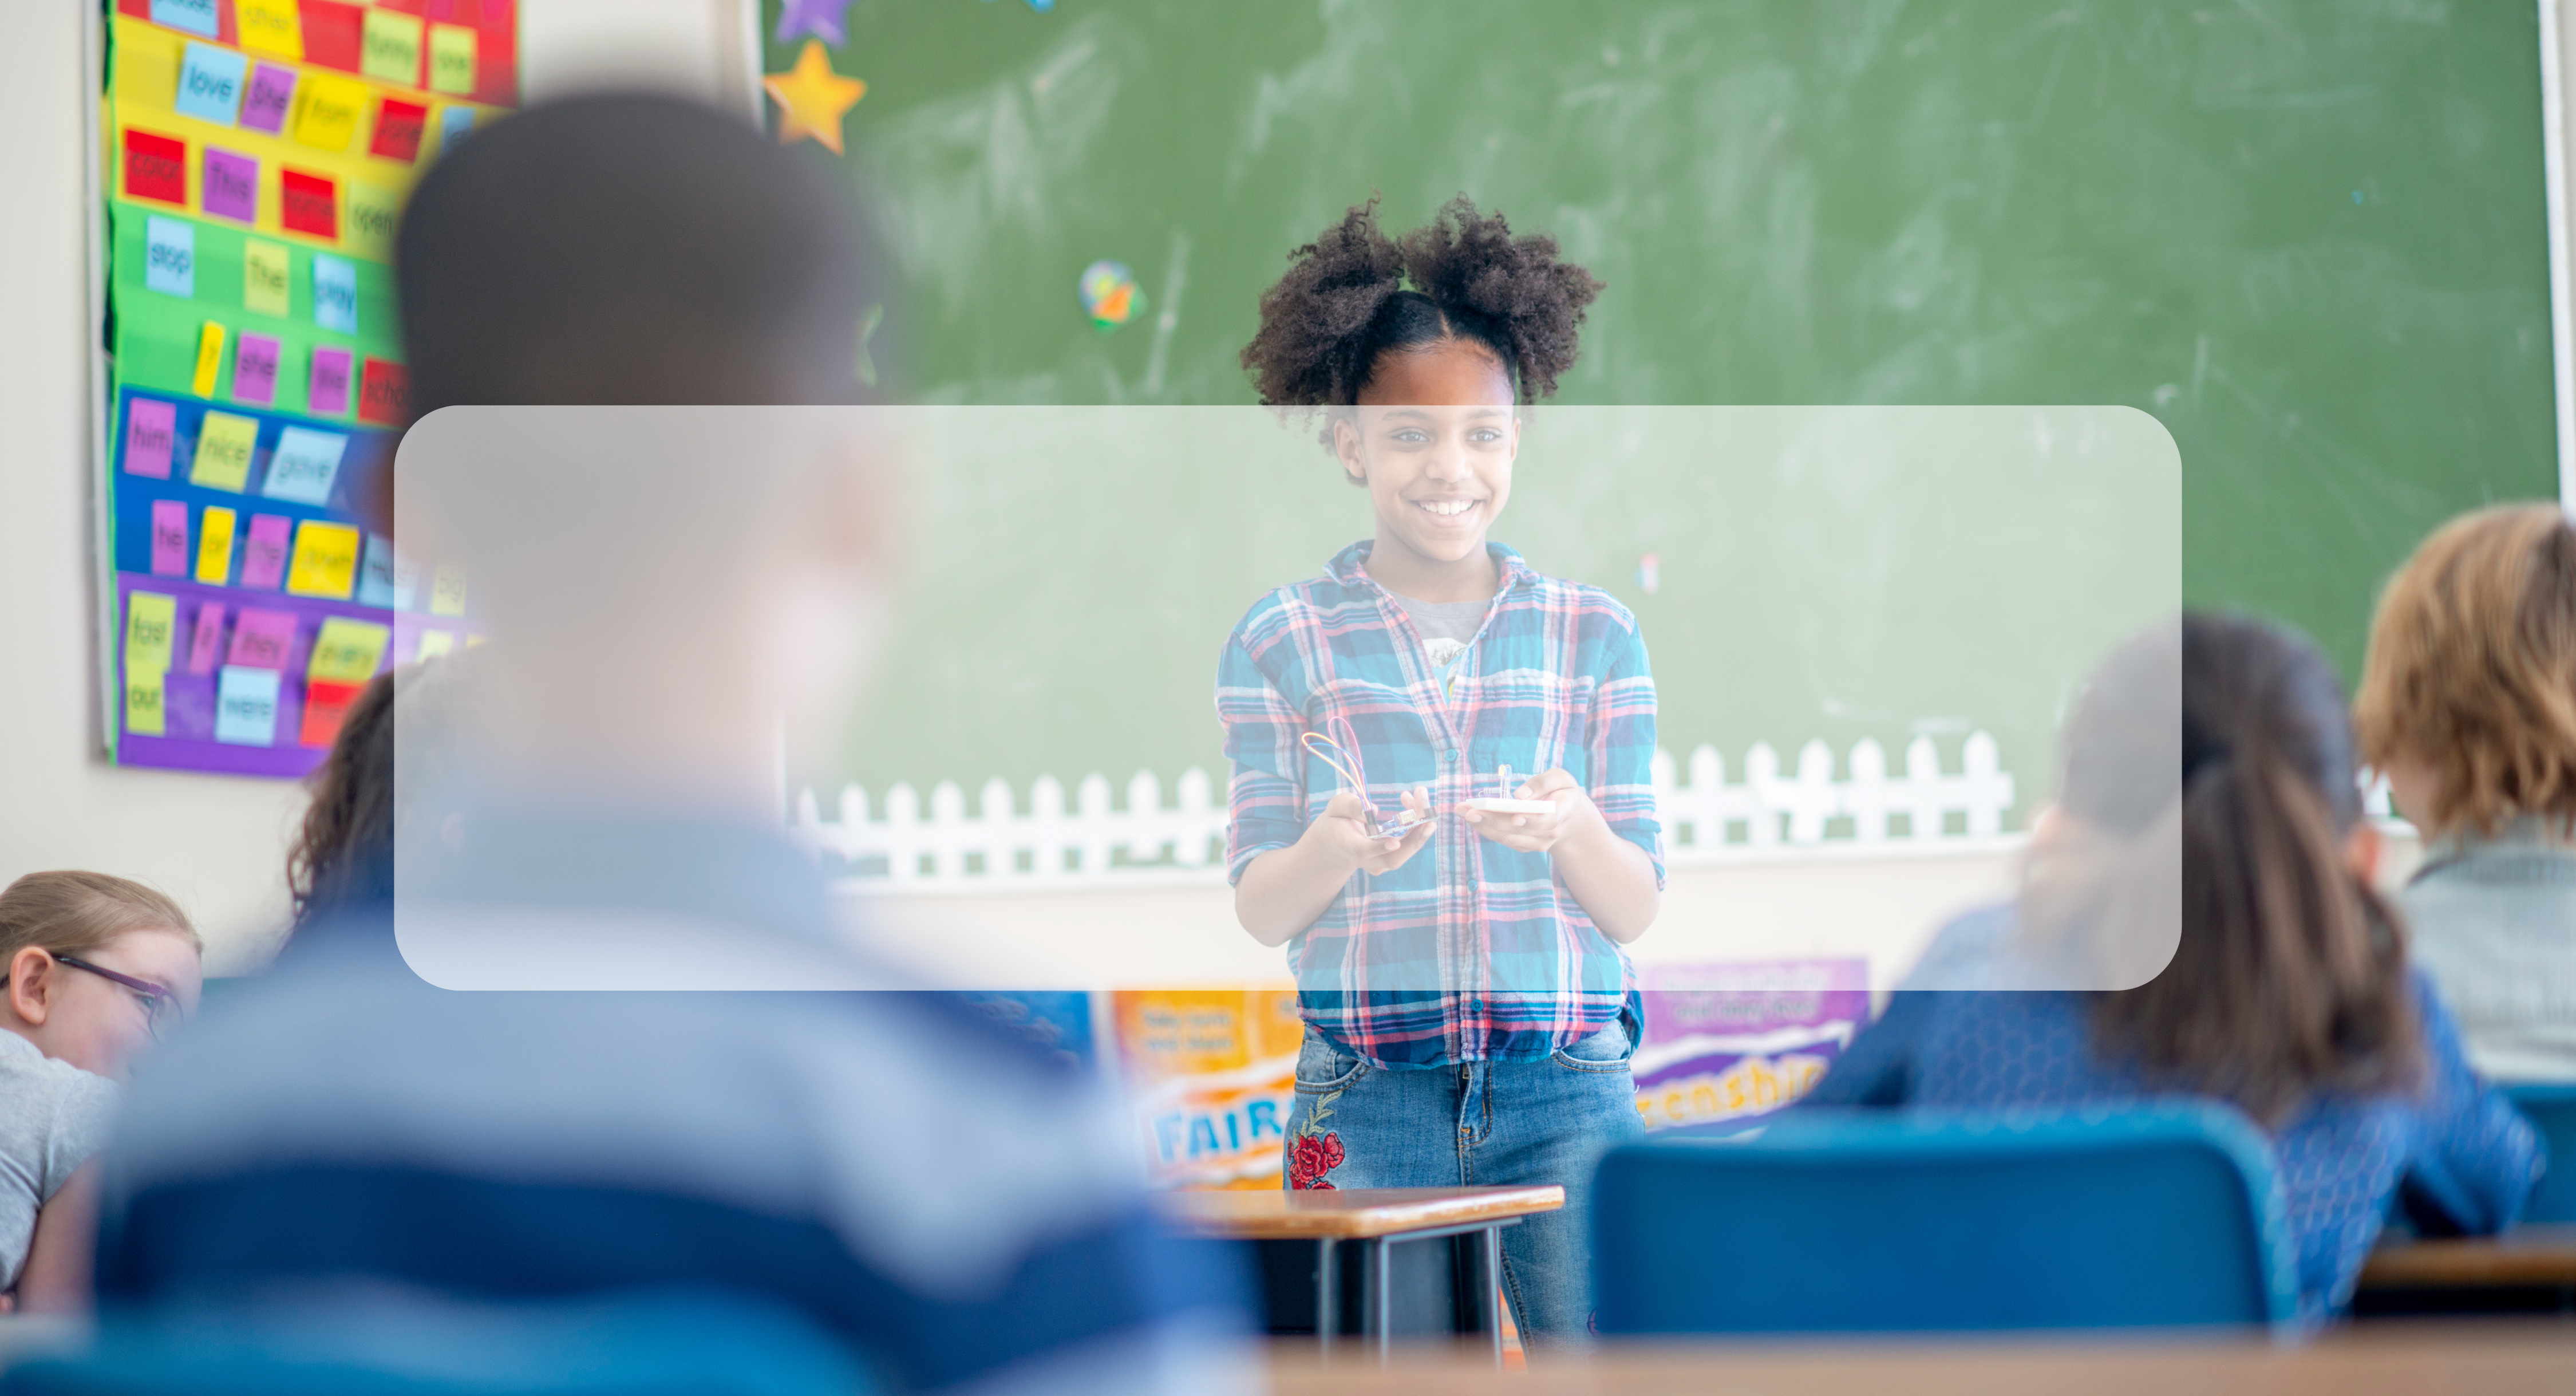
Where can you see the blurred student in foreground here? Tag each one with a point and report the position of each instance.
(2468, 706)
(2288, 995)
(926, 1189)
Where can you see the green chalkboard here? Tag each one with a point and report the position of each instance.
(2308, 237)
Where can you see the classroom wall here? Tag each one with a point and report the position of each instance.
(218, 843)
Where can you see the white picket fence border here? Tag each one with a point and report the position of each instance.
(1049, 844)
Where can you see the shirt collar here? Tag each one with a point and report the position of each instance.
(1349, 566)
(2523, 833)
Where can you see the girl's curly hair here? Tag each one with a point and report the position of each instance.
(1346, 302)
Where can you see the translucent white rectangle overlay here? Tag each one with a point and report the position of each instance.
(993, 636)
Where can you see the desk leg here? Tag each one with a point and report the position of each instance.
(1328, 1313)
(1490, 1299)
(1385, 1268)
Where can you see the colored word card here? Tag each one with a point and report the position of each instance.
(151, 431)
(215, 546)
(224, 446)
(169, 538)
(304, 465)
(246, 707)
(266, 267)
(268, 99)
(325, 561)
(170, 256)
(264, 555)
(210, 84)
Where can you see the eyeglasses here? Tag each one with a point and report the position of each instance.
(161, 1010)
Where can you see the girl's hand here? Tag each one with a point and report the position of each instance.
(1576, 817)
(1342, 831)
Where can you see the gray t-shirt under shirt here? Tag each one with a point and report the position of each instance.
(53, 1116)
(1446, 626)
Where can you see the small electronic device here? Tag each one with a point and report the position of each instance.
(1406, 820)
(1506, 804)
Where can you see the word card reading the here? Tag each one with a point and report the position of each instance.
(264, 554)
(266, 269)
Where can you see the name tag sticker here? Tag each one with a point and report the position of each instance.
(325, 562)
(151, 430)
(210, 360)
(215, 547)
(328, 395)
(170, 256)
(224, 446)
(263, 639)
(149, 616)
(270, 96)
(206, 645)
(255, 369)
(156, 167)
(246, 707)
(309, 204)
(399, 125)
(169, 538)
(210, 84)
(271, 26)
(335, 293)
(389, 47)
(264, 555)
(347, 651)
(195, 16)
(304, 465)
(266, 269)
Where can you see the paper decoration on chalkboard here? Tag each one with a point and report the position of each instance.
(812, 98)
(1109, 294)
(820, 18)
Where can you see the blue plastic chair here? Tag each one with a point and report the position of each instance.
(663, 1344)
(1885, 1221)
(2551, 1110)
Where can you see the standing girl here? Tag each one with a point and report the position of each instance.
(1469, 1014)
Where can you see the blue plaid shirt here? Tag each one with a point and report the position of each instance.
(1471, 951)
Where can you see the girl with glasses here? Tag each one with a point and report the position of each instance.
(98, 968)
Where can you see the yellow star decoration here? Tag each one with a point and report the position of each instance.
(812, 98)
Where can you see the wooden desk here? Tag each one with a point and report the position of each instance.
(2430, 1359)
(1387, 1263)
(2527, 1256)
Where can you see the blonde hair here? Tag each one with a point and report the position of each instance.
(66, 913)
(2472, 669)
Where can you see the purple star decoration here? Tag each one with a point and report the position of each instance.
(821, 18)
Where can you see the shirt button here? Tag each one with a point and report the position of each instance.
(1453, 753)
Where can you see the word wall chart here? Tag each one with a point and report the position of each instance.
(255, 155)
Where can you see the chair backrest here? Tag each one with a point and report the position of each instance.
(1880, 1221)
(2552, 1111)
(412, 1344)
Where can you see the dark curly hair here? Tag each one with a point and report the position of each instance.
(1345, 303)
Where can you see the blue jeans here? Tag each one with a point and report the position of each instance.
(1477, 1124)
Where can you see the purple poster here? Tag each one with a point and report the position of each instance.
(1732, 1042)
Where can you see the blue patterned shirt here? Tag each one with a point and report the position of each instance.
(2340, 1158)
